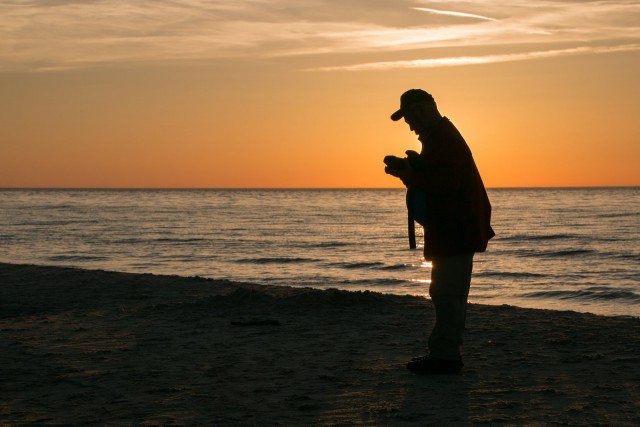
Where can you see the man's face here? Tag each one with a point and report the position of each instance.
(420, 117)
(414, 123)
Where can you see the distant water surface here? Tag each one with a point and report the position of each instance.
(573, 249)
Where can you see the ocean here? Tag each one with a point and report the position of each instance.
(566, 249)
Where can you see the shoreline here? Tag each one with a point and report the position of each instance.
(514, 302)
(93, 346)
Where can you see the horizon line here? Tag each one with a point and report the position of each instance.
(567, 187)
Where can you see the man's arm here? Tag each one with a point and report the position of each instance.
(445, 161)
(440, 176)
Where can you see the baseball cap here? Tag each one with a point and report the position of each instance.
(410, 98)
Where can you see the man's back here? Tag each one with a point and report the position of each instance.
(460, 212)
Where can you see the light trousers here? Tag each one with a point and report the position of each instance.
(449, 291)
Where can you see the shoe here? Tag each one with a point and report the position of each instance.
(434, 366)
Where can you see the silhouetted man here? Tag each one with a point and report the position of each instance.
(458, 215)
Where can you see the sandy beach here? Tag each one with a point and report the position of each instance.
(83, 347)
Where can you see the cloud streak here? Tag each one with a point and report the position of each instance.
(476, 60)
(67, 34)
(452, 13)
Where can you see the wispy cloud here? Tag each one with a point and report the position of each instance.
(452, 13)
(65, 34)
(475, 60)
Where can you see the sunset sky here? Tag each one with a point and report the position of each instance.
(291, 93)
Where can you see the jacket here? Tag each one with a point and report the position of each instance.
(458, 208)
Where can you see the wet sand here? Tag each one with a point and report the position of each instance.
(87, 347)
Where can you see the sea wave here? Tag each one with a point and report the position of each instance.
(64, 258)
(508, 274)
(397, 267)
(357, 265)
(54, 222)
(565, 253)
(177, 240)
(562, 253)
(375, 283)
(162, 240)
(619, 215)
(326, 245)
(276, 260)
(528, 237)
(625, 256)
(596, 293)
(370, 265)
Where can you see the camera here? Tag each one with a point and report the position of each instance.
(395, 163)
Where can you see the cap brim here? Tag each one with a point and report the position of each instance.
(397, 115)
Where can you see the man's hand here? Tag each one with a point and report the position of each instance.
(410, 154)
(398, 167)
